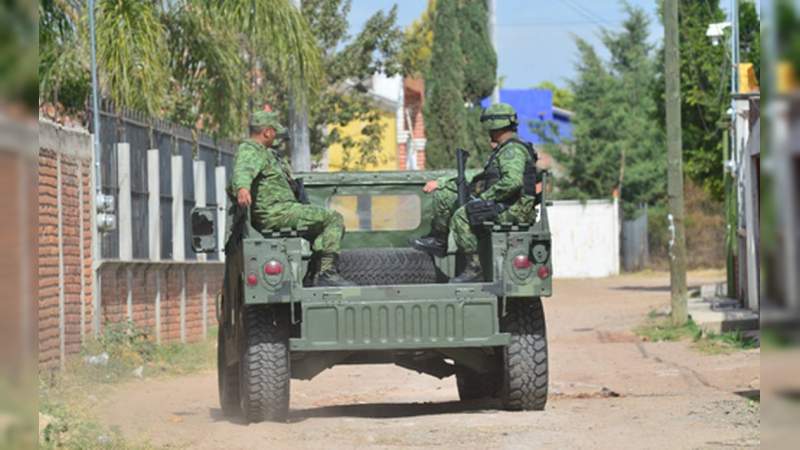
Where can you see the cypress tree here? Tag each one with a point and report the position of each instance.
(444, 112)
(480, 71)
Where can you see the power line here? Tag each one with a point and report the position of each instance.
(585, 13)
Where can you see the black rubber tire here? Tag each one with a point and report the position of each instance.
(525, 358)
(265, 370)
(377, 267)
(474, 386)
(227, 380)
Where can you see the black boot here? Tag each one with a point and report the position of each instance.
(329, 275)
(433, 244)
(472, 273)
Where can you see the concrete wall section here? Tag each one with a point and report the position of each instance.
(585, 238)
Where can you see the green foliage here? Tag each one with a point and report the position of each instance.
(348, 64)
(191, 61)
(480, 72)
(206, 64)
(788, 22)
(480, 60)
(618, 145)
(657, 329)
(750, 36)
(444, 111)
(705, 86)
(415, 55)
(18, 53)
(562, 97)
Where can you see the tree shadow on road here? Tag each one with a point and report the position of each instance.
(392, 410)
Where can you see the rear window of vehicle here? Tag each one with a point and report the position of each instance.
(379, 212)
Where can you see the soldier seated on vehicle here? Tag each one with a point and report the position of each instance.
(259, 168)
(508, 179)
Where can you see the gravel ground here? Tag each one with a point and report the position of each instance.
(608, 390)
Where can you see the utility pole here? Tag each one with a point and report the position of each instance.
(677, 243)
(493, 37)
(298, 126)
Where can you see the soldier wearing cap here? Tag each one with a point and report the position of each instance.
(263, 179)
(501, 181)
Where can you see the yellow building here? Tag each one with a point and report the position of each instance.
(339, 159)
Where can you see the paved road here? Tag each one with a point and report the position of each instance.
(608, 390)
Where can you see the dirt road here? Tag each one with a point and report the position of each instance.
(608, 390)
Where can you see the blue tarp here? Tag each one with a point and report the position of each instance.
(535, 105)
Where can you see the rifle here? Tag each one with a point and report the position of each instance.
(461, 180)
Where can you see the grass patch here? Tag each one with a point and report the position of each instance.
(660, 329)
(123, 352)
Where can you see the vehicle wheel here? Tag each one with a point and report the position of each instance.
(378, 267)
(473, 386)
(227, 379)
(525, 358)
(265, 365)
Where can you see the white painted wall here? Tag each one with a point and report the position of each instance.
(585, 238)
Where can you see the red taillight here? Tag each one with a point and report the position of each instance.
(543, 272)
(252, 279)
(522, 262)
(273, 268)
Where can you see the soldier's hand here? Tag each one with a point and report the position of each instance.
(430, 186)
(243, 197)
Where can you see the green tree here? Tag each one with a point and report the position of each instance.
(480, 71)
(415, 55)
(562, 97)
(348, 64)
(181, 60)
(705, 94)
(750, 35)
(444, 111)
(618, 145)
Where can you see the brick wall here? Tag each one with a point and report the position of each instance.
(64, 241)
(174, 301)
(158, 294)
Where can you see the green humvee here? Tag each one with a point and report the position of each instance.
(273, 326)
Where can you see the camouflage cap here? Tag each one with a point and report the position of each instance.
(499, 116)
(264, 119)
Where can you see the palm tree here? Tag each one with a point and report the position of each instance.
(187, 60)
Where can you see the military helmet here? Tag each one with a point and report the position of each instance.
(499, 116)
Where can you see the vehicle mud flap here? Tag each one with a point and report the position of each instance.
(227, 379)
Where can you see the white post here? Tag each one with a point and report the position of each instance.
(129, 298)
(158, 305)
(199, 168)
(178, 245)
(222, 206)
(493, 37)
(125, 213)
(153, 206)
(183, 304)
(61, 295)
(81, 252)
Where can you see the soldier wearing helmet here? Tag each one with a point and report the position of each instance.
(263, 178)
(506, 180)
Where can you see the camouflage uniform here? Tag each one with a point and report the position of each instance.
(509, 161)
(269, 178)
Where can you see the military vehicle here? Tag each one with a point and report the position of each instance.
(275, 326)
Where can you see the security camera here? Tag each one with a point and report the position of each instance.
(717, 30)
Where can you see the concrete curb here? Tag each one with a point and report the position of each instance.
(713, 312)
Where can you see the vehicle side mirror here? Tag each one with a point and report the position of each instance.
(204, 229)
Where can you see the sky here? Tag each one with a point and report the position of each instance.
(534, 37)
